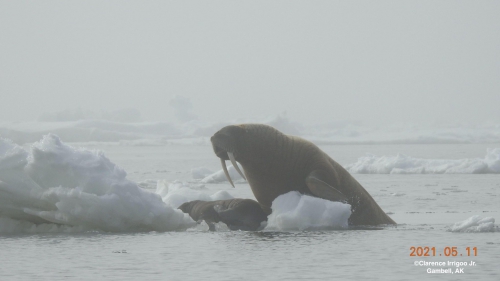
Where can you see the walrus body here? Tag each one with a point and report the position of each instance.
(237, 214)
(275, 164)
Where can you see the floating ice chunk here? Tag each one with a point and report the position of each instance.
(11, 155)
(402, 164)
(475, 224)
(57, 187)
(294, 211)
(53, 163)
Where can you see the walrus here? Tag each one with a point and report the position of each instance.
(237, 214)
(275, 164)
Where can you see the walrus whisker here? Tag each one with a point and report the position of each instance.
(226, 172)
(235, 165)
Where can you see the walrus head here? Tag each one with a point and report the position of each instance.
(227, 146)
(188, 206)
(242, 143)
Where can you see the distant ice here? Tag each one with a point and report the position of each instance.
(219, 176)
(294, 211)
(126, 115)
(402, 164)
(124, 127)
(475, 224)
(355, 133)
(191, 131)
(55, 187)
(182, 107)
(200, 173)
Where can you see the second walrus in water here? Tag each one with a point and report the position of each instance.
(237, 214)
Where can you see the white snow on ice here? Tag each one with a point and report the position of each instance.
(475, 224)
(55, 187)
(294, 211)
(402, 164)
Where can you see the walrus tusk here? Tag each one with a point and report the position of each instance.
(235, 165)
(226, 172)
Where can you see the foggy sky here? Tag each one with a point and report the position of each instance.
(321, 61)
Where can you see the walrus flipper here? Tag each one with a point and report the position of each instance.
(321, 189)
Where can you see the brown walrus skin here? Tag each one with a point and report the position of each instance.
(237, 214)
(275, 164)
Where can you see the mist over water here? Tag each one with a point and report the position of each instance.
(378, 63)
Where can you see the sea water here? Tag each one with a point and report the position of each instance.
(108, 212)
